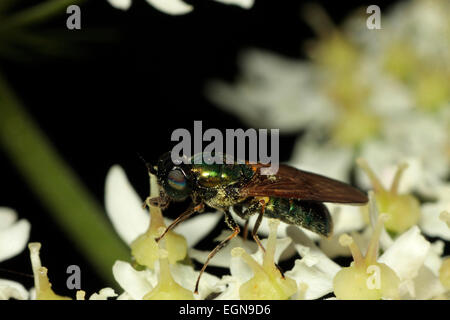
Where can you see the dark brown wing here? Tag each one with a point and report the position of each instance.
(292, 183)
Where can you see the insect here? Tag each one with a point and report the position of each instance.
(293, 196)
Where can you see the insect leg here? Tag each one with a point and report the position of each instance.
(255, 233)
(234, 226)
(255, 230)
(192, 209)
(245, 233)
(244, 214)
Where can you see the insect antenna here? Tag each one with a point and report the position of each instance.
(150, 168)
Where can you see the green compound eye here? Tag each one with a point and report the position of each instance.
(176, 180)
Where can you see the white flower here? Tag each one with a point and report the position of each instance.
(308, 155)
(433, 221)
(416, 138)
(124, 208)
(315, 269)
(222, 258)
(42, 289)
(254, 276)
(176, 7)
(273, 92)
(415, 261)
(137, 284)
(13, 239)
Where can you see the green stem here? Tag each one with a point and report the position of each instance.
(38, 13)
(60, 190)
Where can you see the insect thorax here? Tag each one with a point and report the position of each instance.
(218, 185)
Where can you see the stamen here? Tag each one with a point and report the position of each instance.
(376, 183)
(81, 295)
(269, 256)
(398, 175)
(34, 248)
(240, 252)
(372, 250)
(347, 241)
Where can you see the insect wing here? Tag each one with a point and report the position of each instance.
(292, 183)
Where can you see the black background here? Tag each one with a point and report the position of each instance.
(134, 78)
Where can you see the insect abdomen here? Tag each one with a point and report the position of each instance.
(308, 214)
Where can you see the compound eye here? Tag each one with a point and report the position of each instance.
(176, 180)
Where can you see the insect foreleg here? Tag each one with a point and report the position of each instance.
(191, 210)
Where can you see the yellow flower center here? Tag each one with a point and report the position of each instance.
(403, 210)
(355, 126)
(365, 278)
(167, 288)
(145, 249)
(267, 282)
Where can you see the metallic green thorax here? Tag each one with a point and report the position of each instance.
(219, 184)
(217, 175)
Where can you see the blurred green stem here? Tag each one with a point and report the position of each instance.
(58, 187)
(37, 13)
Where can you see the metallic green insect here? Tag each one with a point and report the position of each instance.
(293, 196)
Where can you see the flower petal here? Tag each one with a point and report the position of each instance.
(311, 156)
(7, 217)
(11, 289)
(430, 221)
(196, 228)
(346, 218)
(120, 4)
(223, 257)
(319, 282)
(407, 254)
(103, 294)
(315, 269)
(433, 261)
(427, 285)
(231, 291)
(246, 4)
(311, 254)
(173, 7)
(135, 283)
(186, 277)
(14, 239)
(124, 207)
